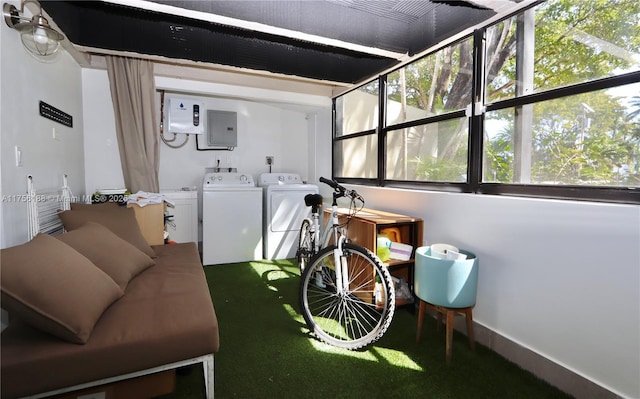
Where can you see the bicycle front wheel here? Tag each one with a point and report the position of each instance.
(305, 245)
(352, 317)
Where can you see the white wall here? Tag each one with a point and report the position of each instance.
(102, 156)
(24, 82)
(268, 124)
(262, 130)
(559, 277)
(320, 133)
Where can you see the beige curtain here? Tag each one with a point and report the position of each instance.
(134, 102)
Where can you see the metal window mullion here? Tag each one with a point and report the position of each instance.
(333, 139)
(381, 129)
(566, 91)
(523, 134)
(476, 119)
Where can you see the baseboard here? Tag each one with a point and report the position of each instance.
(543, 368)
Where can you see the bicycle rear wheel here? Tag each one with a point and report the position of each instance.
(356, 317)
(305, 245)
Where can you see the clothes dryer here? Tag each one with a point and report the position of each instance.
(283, 212)
(231, 218)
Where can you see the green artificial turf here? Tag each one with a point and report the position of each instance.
(266, 351)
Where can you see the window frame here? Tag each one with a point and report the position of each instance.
(479, 107)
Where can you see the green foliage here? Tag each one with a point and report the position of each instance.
(573, 151)
(436, 83)
(498, 165)
(439, 170)
(575, 42)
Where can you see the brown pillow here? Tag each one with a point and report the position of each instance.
(120, 220)
(49, 285)
(113, 255)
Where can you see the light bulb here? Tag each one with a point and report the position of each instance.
(40, 36)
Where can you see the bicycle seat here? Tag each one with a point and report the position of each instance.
(313, 200)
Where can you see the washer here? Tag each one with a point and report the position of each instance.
(283, 210)
(231, 218)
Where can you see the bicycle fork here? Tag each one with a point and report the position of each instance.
(315, 232)
(342, 272)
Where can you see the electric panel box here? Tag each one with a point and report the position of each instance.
(222, 128)
(185, 116)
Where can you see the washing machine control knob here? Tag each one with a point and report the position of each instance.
(281, 178)
(219, 178)
(243, 178)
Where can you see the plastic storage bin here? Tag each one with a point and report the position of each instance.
(444, 282)
(400, 251)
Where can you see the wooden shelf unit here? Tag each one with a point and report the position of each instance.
(364, 227)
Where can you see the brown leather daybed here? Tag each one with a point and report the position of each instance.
(123, 309)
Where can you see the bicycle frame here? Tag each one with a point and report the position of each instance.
(322, 233)
(321, 237)
(342, 276)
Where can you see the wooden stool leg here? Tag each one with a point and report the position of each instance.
(470, 334)
(450, 314)
(421, 310)
(439, 320)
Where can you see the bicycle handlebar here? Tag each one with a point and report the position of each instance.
(332, 183)
(340, 189)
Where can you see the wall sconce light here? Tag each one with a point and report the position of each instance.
(37, 36)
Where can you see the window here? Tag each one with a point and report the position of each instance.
(433, 85)
(435, 152)
(358, 157)
(426, 99)
(552, 110)
(355, 153)
(587, 140)
(357, 111)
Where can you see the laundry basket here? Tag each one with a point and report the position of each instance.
(443, 282)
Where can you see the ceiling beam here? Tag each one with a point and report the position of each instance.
(206, 72)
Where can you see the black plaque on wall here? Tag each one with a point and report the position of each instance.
(53, 113)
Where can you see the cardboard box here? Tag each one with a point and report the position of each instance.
(144, 387)
(151, 221)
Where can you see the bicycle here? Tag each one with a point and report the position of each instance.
(309, 242)
(346, 293)
(312, 237)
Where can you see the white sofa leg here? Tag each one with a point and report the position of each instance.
(207, 366)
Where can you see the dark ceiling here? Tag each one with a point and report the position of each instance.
(399, 28)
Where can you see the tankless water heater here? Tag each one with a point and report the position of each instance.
(185, 116)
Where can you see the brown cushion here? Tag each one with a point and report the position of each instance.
(113, 255)
(51, 286)
(120, 220)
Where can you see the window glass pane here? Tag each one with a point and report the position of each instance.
(561, 43)
(435, 152)
(357, 111)
(357, 157)
(433, 85)
(591, 139)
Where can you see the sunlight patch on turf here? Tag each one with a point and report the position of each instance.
(293, 313)
(374, 354)
(321, 346)
(326, 348)
(397, 358)
(274, 270)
